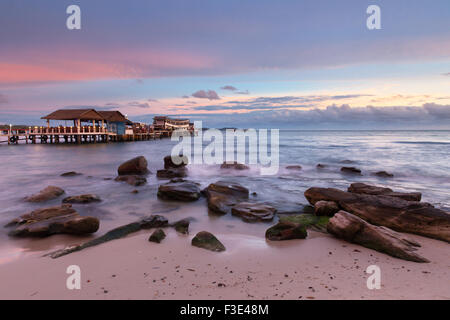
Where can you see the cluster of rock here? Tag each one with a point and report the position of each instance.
(372, 216)
(173, 169)
(133, 171)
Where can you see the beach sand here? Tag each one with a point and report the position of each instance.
(320, 267)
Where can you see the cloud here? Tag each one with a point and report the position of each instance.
(152, 100)
(446, 74)
(3, 99)
(210, 95)
(229, 88)
(427, 116)
(243, 92)
(137, 104)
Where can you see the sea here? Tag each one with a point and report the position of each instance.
(419, 161)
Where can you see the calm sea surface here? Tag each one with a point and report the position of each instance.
(420, 161)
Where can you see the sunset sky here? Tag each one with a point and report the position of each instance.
(309, 64)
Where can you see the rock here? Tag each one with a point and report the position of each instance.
(286, 207)
(252, 212)
(309, 221)
(135, 166)
(296, 168)
(222, 195)
(384, 174)
(133, 180)
(157, 236)
(49, 193)
(286, 231)
(234, 165)
(182, 226)
(171, 173)
(70, 174)
(325, 208)
(84, 198)
(321, 166)
(208, 241)
(135, 191)
(179, 191)
(374, 190)
(392, 212)
(350, 170)
(347, 161)
(53, 220)
(153, 221)
(169, 163)
(353, 229)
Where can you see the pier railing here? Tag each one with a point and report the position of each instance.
(67, 130)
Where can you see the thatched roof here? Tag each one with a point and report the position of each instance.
(74, 114)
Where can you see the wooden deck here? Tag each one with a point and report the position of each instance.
(74, 135)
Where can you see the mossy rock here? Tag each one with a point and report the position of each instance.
(208, 241)
(309, 221)
(286, 231)
(157, 236)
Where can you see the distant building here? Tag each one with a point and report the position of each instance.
(166, 123)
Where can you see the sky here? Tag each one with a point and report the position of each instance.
(300, 64)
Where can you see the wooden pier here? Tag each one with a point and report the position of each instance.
(73, 135)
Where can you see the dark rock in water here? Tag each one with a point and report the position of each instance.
(49, 193)
(134, 166)
(325, 208)
(84, 198)
(179, 191)
(171, 173)
(296, 167)
(222, 195)
(208, 241)
(309, 221)
(153, 221)
(135, 191)
(384, 174)
(169, 162)
(392, 212)
(133, 180)
(321, 166)
(71, 174)
(182, 226)
(53, 220)
(353, 229)
(234, 165)
(374, 190)
(252, 212)
(286, 231)
(351, 170)
(157, 236)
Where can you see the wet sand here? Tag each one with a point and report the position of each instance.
(319, 267)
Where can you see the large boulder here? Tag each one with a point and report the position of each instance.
(49, 193)
(374, 190)
(325, 208)
(169, 162)
(285, 230)
(234, 165)
(208, 241)
(53, 220)
(223, 195)
(392, 212)
(136, 165)
(179, 191)
(133, 180)
(253, 212)
(82, 199)
(353, 229)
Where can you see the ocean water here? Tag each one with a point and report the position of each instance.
(420, 161)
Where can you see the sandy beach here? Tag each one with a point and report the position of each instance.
(320, 267)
